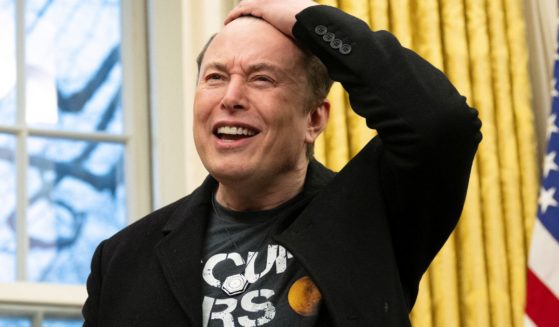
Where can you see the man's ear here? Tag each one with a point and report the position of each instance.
(317, 120)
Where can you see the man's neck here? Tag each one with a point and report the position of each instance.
(261, 196)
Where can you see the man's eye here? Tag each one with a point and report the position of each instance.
(214, 77)
(262, 79)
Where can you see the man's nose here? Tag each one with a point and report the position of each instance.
(235, 95)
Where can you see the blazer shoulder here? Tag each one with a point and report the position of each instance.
(151, 223)
(154, 225)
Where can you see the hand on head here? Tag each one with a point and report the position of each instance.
(278, 13)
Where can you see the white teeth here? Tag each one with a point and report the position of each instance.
(233, 130)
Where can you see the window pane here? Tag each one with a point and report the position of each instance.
(73, 64)
(7, 209)
(54, 322)
(7, 62)
(14, 322)
(76, 199)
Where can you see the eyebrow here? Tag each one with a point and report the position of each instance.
(251, 68)
(264, 66)
(215, 65)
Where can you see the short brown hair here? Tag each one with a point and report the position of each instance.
(317, 77)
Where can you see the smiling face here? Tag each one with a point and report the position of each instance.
(251, 109)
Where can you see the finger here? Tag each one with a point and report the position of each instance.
(242, 9)
(232, 15)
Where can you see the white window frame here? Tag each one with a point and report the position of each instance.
(37, 299)
(176, 31)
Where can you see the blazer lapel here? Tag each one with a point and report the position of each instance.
(180, 250)
(307, 239)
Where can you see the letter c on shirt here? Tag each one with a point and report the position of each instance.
(207, 272)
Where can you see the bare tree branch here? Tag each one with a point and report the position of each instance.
(75, 102)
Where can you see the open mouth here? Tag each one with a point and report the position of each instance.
(234, 132)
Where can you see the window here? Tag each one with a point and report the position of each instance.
(73, 147)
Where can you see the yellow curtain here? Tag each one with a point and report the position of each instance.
(478, 277)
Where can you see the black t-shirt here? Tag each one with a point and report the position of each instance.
(239, 252)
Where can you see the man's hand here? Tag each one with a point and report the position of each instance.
(279, 13)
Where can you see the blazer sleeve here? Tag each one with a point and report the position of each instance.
(427, 133)
(90, 310)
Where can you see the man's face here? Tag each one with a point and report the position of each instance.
(250, 117)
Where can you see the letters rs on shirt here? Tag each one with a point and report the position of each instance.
(253, 301)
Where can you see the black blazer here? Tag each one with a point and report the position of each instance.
(366, 235)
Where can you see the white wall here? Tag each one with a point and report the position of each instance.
(541, 23)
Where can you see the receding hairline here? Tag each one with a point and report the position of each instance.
(242, 18)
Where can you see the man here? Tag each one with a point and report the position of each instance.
(272, 238)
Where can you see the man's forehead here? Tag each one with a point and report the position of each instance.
(251, 31)
(255, 39)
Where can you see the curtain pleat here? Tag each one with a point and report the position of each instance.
(336, 132)
(474, 298)
(333, 3)
(422, 315)
(472, 269)
(478, 278)
(400, 21)
(320, 148)
(334, 137)
(379, 15)
(524, 115)
(508, 159)
(524, 129)
(359, 133)
(495, 249)
(427, 39)
(427, 42)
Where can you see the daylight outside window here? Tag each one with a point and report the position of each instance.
(64, 143)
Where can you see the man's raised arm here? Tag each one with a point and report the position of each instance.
(428, 135)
